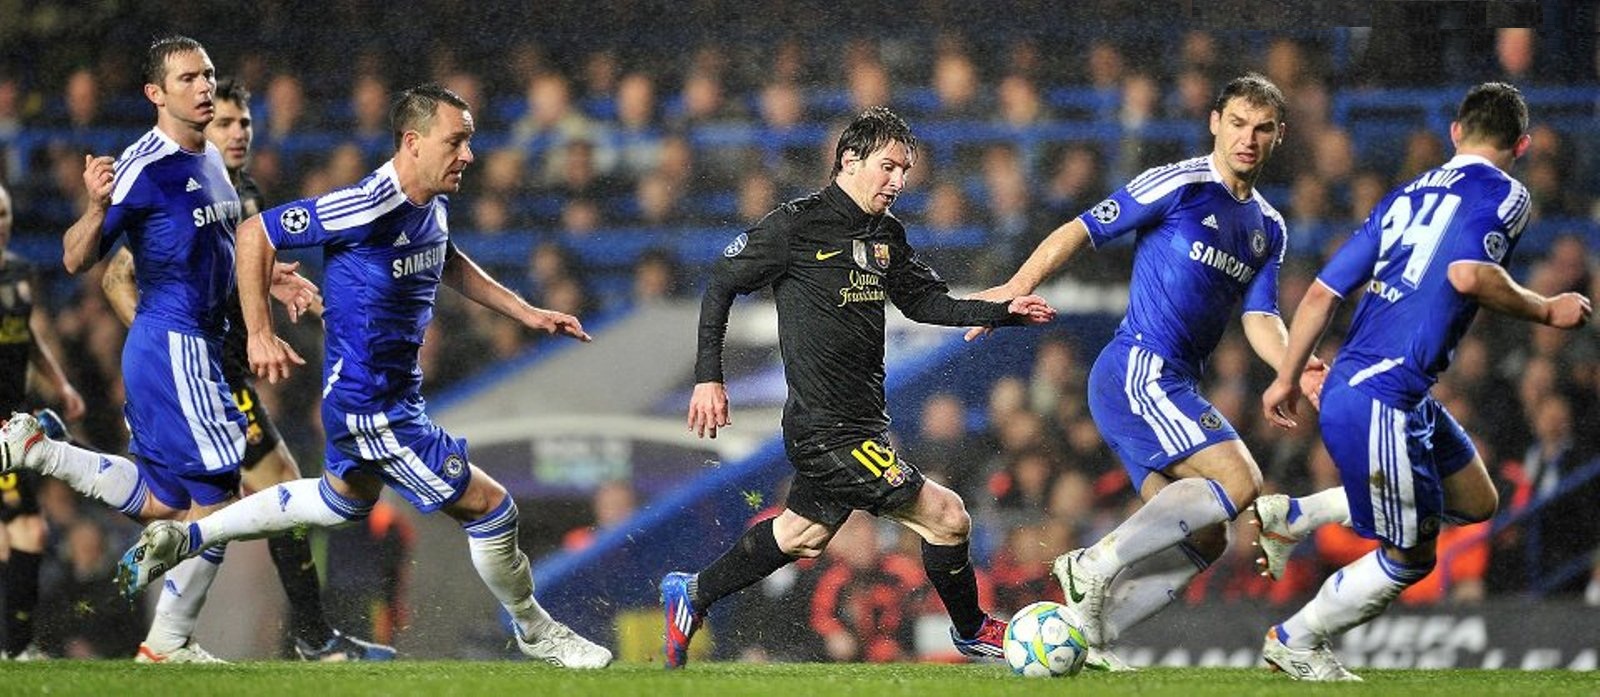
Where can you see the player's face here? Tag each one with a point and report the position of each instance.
(444, 152)
(231, 130)
(1245, 137)
(875, 181)
(186, 92)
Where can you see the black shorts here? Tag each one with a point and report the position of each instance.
(19, 494)
(867, 476)
(260, 436)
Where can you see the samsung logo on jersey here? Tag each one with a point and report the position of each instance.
(421, 261)
(216, 212)
(1437, 179)
(1221, 261)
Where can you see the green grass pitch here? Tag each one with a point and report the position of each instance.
(125, 679)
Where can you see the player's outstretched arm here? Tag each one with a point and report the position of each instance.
(270, 357)
(1492, 287)
(1281, 402)
(467, 278)
(1055, 251)
(44, 362)
(708, 409)
(80, 246)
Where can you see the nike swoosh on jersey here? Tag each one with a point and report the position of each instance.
(824, 256)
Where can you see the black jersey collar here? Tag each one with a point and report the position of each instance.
(846, 206)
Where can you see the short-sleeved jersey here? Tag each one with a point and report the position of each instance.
(1198, 251)
(16, 337)
(1411, 318)
(178, 211)
(384, 259)
(831, 267)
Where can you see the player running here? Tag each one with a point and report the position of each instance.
(388, 248)
(832, 259)
(267, 460)
(1205, 240)
(1431, 253)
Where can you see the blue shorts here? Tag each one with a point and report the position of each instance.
(400, 445)
(180, 492)
(1151, 415)
(1393, 462)
(185, 427)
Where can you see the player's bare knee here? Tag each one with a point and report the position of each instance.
(807, 543)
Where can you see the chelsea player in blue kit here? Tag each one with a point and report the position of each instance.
(1431, 253)
(170, 196)
(387, 248)
(1205, 240)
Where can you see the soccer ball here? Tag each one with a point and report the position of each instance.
(1042, 641)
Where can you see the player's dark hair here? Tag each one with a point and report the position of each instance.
(1493, 112)
(1256, 90)
(870, 131)
(155, 58)
(229, 89)
(414, 108)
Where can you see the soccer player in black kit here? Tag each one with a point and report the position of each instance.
(267, 460)
(21, 319)
(832, 259)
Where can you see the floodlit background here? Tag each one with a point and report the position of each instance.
(620, 147)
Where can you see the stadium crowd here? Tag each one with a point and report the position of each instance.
(594, 146)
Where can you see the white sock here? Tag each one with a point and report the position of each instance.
(1351, 596)
(492, 540)
(1142, 589)
(307, 502)
(1308, 513)
(1167, 519)
(183, 594)
(108, 478)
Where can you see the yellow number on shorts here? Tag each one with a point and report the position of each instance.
(876, 458)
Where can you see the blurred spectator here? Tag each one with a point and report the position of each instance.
(943, 449)
(869, 85)
(658, 204)
(864, 599)
(636, 132)
(549, 123)
(369, 113)
(81, 613)
(956, 85)
(757, 196)
(613, 503)
(1424, 151)
(491, 215)
(580, 217)
(286, 111)
(656, 276)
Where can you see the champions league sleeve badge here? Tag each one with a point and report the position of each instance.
(737, 245)
(1106, 211)
(295, 220)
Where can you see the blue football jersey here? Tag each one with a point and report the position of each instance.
(178, 210)
(1198, 251)
(1408, 323)
(384, 259)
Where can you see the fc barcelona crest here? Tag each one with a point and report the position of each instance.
(880, 254)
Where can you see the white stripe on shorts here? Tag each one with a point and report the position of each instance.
(377, 443)
(1176, 431)
(219, 441)
(1393, 494)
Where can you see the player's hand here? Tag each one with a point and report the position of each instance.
(1032, 308)
(1311, 380)
(559, 323)
(98, 178)
(995, 294)
(708, 409)
(1568, 311)
(72, 404)
(1281, 403)
(271, 357)
(297, 293)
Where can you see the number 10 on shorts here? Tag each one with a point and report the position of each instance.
(880, 461)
